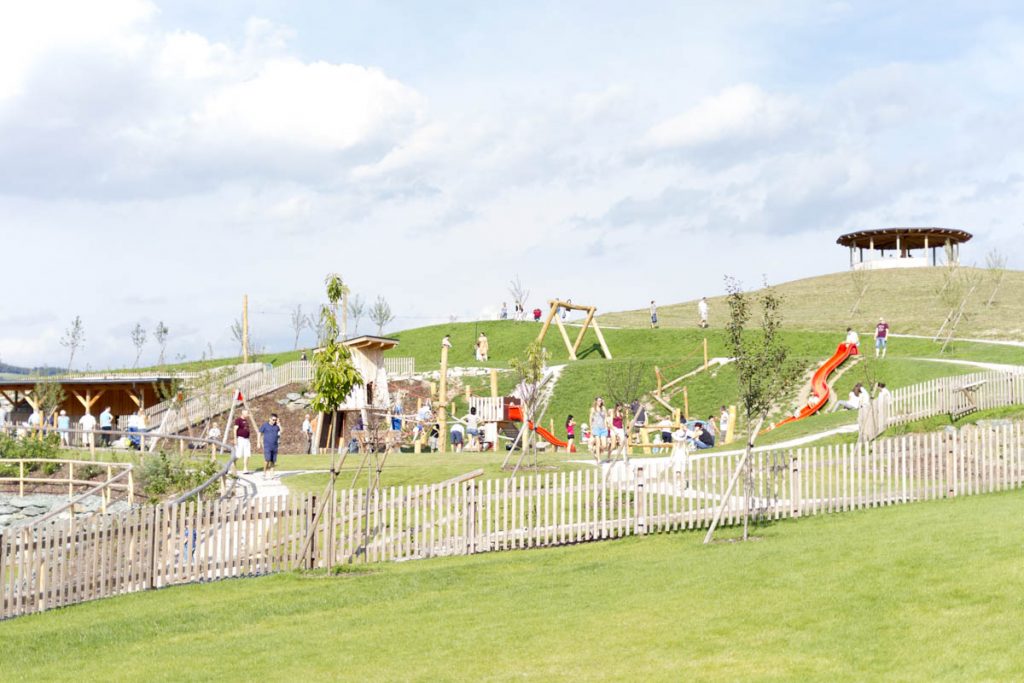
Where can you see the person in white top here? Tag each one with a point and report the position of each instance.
(307, 431)
(213, 435)
(702, 311)
(852, 337)
(87, 423)
(473, 429)
(852, 402)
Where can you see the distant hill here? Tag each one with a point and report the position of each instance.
(910, 300)
(6, 369)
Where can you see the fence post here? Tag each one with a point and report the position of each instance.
(952, 451)
(310, 516)
(795, 495)
(471, 518)
(639, 518)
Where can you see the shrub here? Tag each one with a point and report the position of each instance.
(166, 475)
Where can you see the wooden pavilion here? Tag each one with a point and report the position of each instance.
(124, 394)
(868, 247)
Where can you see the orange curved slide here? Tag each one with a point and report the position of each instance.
(819, 384)
(515, 413)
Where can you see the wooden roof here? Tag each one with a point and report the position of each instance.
(105, 382)
(909, 238)
(367, 341)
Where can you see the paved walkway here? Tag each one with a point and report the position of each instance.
(997, 342)
(1002, 367)
(255, 485)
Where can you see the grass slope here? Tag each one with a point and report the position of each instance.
(677, 351)
(908, 299)
(918, 593)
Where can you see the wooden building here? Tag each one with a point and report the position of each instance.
(123, 394)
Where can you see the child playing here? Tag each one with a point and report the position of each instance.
(570, 434)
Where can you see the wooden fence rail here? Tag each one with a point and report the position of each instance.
(71, 561)
(956, 395)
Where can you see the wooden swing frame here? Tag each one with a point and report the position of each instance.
(573, 348)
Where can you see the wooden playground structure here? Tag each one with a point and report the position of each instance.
(573, 348)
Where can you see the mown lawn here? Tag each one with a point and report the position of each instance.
(930, 591)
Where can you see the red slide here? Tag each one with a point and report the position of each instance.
(819, 386)
(515, 413)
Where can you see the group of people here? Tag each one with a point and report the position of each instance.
(702, 313)
(607, 430)
(84, 434)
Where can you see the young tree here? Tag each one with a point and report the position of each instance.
(138, 335)
(299, 321)
(765, 373)
(356, 309)
(622, 380)
(529, 368)
(519, 293)
(995, 260)
(380, 314)
(160, 335)
(237, 335)
(48, 397)
(73, 339)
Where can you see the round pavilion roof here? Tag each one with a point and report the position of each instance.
(910, 238)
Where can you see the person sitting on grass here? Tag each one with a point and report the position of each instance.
(852, 402)
(700, 438)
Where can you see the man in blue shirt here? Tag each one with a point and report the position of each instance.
(270, 436)
(106, 425)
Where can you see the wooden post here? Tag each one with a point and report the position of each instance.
(442, 401)
(639, 518)
(245, 328)
(730, 432)
(686, 404)
(949, 437)
(705, 354)
(494, 383)
(795, 494)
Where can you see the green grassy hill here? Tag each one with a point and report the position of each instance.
(676, 351)
(909, 299)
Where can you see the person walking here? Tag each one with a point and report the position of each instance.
(106, 425)
(63, 426)
(504, 311)
(881, 336)
(702, 311)
(485, 347)
(654, 314)
(270, 439)
(243, 448)
(723, 422)
(598, 428)
(307, 433)
(570, 434)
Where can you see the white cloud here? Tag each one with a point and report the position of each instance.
(738, 113)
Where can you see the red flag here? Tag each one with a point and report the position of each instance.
(238, 395)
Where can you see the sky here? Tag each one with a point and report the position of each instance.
(160, 160)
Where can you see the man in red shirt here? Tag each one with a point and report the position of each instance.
(881, 335)
(243, 449)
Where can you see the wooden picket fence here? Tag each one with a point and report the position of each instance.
(71, 561)
(957, 395)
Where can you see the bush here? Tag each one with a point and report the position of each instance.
(166, 475)
(30, 447)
